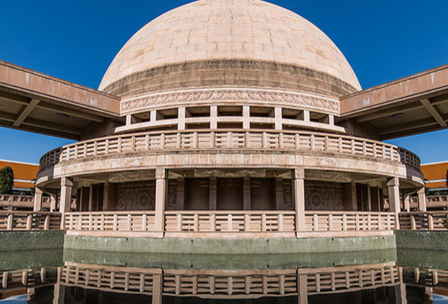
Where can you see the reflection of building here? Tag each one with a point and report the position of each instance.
(24, 175)
(227, 119)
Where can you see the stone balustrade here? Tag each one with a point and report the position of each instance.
(231, 283)
(236, 224)
(22, 220)
(10, 201)
(27, 278)
(321, 221)
(435, 220)
(259, 140)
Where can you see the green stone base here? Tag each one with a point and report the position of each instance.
(226, 246)
(425, 240)
(30, 240)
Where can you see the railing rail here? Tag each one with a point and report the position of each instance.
(21, 201)
(434, 220)
(20, 220)
(225, 221)
(111, 221)
(230, 139)
(319, 221)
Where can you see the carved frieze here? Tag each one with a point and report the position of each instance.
(189, 96)
(136, 196)
(324, 196)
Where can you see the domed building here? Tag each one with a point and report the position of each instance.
(230, 119)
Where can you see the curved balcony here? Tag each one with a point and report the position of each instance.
(231, 139)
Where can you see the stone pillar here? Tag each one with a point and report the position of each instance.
(181, 118)
(66, 198)
(279, 201)
(91, 198)
(247, 203)
(161, 182)
(109, 196)
(369, 198)
(302, 287)
(400, 289)
(157, 292)
(246, 117)
(299, 198)
(421, 199)
(53, 202)
(393, 186)
(66, 194)
(278, 119)
(213, 191)
(406, 203)
(37, 199)
(350, 201)
(180, 197)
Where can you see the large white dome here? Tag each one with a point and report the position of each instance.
(210, 30)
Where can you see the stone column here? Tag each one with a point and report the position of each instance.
(66, 198)
(350, 200)
(37, 199)
(279, 200)
(53, 202)
(161, 182)
(299, 198)
(421, 199)
(406, 203)
(302, 287)
(393, 186)
(246, 194)
(369, 198)
(213, 191)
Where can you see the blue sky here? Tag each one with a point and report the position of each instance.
(77, 40)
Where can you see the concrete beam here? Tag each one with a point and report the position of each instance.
(429, 107)
(26, 112)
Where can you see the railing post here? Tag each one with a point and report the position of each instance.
(229, 222)
(90, 225)
(280, 222)
(47, 222)
(213, 222)
(315, 222)
(10, 223)
(246, 222)
(357, 222)
(179, 222)
(344, 222)
(129, 222)
(263, 222)
(115, 223)
(29, 221)
(413, 224)
(430, 222)
(144, 221)
(330, 222)
(196, 222)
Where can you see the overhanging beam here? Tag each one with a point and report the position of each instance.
(436, 115)
(27, 111)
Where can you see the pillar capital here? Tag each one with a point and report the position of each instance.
(65, 181)
(160, 173)
(394, 181)
(299, 173)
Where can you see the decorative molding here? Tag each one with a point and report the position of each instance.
(189, 96)
(324, 196)
(136, 196)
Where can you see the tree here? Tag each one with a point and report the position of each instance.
(6, 180)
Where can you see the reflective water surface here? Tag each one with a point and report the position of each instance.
(72, 276)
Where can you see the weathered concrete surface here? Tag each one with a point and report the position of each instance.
(234, 246)
(29, 240)
(425, 240)
(432, 259)
(24, 259)
(229, 261)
